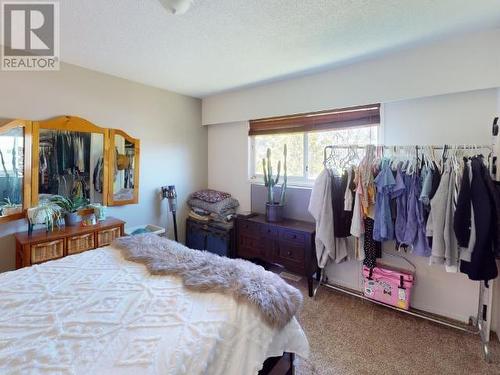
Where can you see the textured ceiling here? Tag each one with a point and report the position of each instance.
(220, 45)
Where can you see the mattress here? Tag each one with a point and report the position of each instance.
(96, 313)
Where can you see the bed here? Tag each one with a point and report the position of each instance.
(96, 313)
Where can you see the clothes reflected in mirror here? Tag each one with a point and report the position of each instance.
(71, 164)
(11, 171)
(123, 186)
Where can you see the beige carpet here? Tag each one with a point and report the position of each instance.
(350, 336)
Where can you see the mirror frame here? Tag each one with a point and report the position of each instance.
(68, 123)
(112, 162)
(6, 125)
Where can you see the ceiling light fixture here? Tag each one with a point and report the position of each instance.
(177, 6)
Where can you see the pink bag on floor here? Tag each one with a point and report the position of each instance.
(387, 285)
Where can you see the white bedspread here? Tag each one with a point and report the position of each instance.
(95, 313)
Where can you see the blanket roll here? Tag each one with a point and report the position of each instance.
(277, 301)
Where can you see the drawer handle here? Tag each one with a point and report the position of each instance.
(289, 253)
(269, 231)
(294, 236)
(48, 243)
(81, 237)
(108, 230)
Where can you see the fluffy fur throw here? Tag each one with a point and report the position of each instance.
(203, 271)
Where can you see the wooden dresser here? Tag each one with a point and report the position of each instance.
(289, 243)
(42, 246)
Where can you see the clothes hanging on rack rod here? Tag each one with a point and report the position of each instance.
(439, 180)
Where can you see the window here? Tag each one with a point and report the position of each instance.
(305, 150)
(306, 136)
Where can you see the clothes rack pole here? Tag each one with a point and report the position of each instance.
(480, 324)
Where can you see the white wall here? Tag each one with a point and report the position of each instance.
(461, 63)
(228, 161)
(457, 118)
(173, 142)
(454, 118)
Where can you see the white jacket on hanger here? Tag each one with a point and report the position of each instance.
(320, 207)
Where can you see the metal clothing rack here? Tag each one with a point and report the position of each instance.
(480, 324)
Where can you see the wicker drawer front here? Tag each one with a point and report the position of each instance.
(45, 251)
(83, 242)
(106, 236)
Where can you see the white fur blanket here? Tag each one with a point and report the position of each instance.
(203, 271)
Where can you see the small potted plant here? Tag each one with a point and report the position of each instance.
(9, 208)
(274, 210)
(46, 212)
(70, 208)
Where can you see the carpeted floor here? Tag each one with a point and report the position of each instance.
(350, 336)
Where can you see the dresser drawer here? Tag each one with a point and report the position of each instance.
(249, 246)
(269, 231)
(82, 242)
(291, 255)
(45, 251)
(106, 236)
(292, 236)
(248, 228)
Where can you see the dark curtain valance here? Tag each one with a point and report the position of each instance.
(324, 120)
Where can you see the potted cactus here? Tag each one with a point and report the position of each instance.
(274, 209)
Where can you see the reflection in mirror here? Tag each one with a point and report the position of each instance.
(123, 185)
(71, 164)
(11, 171)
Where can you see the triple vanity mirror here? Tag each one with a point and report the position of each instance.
(15, 168)
(124, 179)
(66, 156)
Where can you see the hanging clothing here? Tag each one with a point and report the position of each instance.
(420, 244)
(427, 175)
(97, 178)
(410, 231)
(349, 191)
(341, 217)
(400, 194)
(440, 223)
(357, 221)
(435, 182)
(463, 220)
(372, 248)
(494, 192)
(482, 265)
(320, 207)
(383, 228)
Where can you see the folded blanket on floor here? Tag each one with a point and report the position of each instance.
(276, 300)
(210, 196)
(224, 207)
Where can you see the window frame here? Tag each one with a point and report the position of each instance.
(304, 180)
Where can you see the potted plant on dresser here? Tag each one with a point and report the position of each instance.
(9, 208)
(274, 209)
(70, 208)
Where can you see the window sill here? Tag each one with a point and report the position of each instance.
(290, 184)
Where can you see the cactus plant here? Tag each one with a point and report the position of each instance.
(270, 182)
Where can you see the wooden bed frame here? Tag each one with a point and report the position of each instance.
(283, 365)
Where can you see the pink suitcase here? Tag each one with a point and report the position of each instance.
(388, 285)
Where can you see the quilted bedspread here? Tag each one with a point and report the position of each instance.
(95, 313)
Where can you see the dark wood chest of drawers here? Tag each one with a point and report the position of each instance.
(289, 243)
(209, 237)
